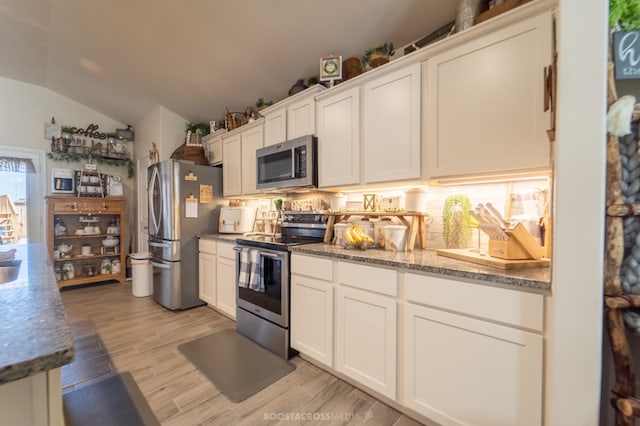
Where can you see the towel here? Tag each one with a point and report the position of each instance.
(250, 270)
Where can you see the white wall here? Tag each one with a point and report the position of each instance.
(24, 108)
(574, 313)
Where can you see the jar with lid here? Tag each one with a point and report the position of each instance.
(58, 273)
(89, 269)
(113, 228)
(68, 271)
(105, 266)
(59, 228)
(115, 266)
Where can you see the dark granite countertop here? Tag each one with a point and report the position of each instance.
(34, 333)
(536, 280)
(220, 237)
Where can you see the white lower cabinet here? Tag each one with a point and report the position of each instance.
(207, 277)
(366, 338)
(312, 293)
(472, 354)
(457, 353)
(207, 271)
(226, 279)
(460, 370)
(312, 318)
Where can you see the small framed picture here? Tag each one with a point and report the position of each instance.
(330, 68)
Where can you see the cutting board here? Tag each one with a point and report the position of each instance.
(469, 256)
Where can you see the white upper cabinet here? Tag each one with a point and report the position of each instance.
(275, 126)
(252, 139)
(391, 131)
(484, 103)
(292, 117)
(338, 126)
(213, 147)
(232, 170)
(301, 118)
(239, 158)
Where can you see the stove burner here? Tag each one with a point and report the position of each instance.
(298, 227)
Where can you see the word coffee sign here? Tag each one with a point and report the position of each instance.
(626, 54)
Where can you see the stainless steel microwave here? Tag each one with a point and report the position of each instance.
(290, 164)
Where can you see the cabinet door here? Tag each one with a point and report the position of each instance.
(459, 370)
(275, 127)
(484, 103)
(339, 139)
(207, 277)
(232, 170)
(312, 318)
(226, 286)
(252, 139)
(214, 150)
(392, 126)
(366, 338)
(301, 118)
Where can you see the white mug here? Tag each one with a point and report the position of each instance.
(56, 254)
(86, 250)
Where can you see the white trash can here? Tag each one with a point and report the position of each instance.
(141, 274)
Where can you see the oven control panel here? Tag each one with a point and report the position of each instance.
(305, 217)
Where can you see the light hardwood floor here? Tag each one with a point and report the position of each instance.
(116, 332)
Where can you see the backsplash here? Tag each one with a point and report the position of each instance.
(523, 197)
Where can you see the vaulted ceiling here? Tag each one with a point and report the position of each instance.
(123, 58)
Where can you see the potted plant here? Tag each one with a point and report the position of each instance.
(278, 203)
(376, 56)
(456, 220)
(262, 104)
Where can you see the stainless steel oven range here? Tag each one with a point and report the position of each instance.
(263, 279)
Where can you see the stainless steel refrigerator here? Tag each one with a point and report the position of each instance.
(184, 201)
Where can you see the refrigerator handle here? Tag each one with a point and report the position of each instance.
(154, 182)
(160, 265)
(159, 245)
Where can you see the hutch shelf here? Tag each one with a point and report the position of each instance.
(86, 222)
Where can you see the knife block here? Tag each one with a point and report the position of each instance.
(520, 245)
(509, 249)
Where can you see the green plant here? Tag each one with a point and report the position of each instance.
(455, 221)
(202, 127)
(624, 14)
(385, 49)
(312, 81)
(66, 129)
(278, 203)
(261, 102)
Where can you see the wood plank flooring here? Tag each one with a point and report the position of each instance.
(116, 332)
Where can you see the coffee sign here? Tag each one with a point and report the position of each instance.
(626, 54)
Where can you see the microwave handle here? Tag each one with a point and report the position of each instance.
(294, 162)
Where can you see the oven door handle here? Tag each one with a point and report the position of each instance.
(270, 255)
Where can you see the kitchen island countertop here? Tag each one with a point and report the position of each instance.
(34, 333)
(536, 280)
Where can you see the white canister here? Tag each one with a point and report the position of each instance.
(395, 237)
(338, 201)
(415, 200)
(338, 232)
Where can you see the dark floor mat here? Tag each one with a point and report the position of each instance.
(237, 366)
(116, 401)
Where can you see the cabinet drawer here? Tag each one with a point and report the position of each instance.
(314, 267)
(370, 278)
(497, 304)
(207, 246)
(226, 250)
(80, 206)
